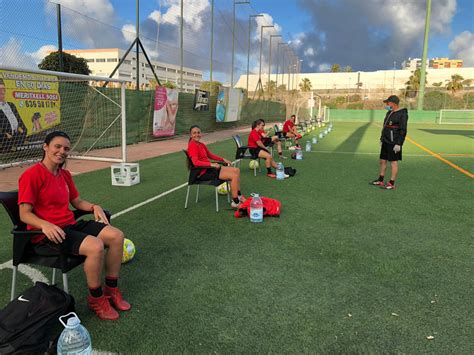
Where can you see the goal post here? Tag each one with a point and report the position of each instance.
(456, 117)
(34, 103)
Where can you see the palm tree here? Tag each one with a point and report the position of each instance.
(270, 88)
(413, 83)
(305, 85)
(455, 83)
(335, 68)
(348, 69)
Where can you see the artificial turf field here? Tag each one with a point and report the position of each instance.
(346, 268)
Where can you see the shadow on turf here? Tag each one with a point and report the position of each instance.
(457, 132)
(353, 141)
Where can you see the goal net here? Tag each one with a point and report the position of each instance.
(456, 117)
(34, 103)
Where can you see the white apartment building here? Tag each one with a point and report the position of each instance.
(102, 61)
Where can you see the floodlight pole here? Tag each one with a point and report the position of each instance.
(278, 63)
(233, 39)
(182, 46)
(137, 44)
(259, 84)
(248, 52)
(212, 42)
(60, 38)
(270, 63)
(421, 96)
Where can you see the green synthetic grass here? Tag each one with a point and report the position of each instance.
(347, 268)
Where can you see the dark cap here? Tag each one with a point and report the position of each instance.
(392, 98)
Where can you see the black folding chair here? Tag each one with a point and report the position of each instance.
(195, 180)
(23, 252)
(243, 153)
(286, 141)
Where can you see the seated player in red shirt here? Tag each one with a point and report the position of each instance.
(258, 150)
(290, 131)
(200, 156)
(269, 141)
(45, 191)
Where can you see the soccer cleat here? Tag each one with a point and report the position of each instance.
(271, 175)
(377, 183)
(234, 204)
(116, 298)
(389, 186)
(101, 306)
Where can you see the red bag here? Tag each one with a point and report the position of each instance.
(271, 207)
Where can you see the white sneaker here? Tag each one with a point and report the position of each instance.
(234, 205)
(287, 176)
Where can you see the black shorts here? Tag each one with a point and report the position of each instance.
(387, 153)
(209, 174)
(75, 234)
(254, 152)
(267, 141)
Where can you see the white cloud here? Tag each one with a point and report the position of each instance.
(129, 32)
(462, 47)
(324, 67)
(192, 18)
(42, 52)
(11, 54)
(101, 10)
(309, 51)
(265, 20)
(155, 16)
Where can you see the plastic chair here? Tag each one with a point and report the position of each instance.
(243, 153)
(23, 253)
(286, 141)
(194, 180)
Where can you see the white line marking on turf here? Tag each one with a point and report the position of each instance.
(134, 207)
(363, 153)
(33, 274)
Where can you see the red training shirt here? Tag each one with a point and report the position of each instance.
(287, 126)
(200, 155)
(254, 137)
(49, 195)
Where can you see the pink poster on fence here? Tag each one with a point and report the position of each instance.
(166, 108)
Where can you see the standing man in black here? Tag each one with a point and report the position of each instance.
(12, 129)
(393, 135)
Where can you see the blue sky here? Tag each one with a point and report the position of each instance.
(364, 34)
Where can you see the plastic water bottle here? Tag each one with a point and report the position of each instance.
(256, 209)
(315, 140)
(75, 339)
(280, 171)
(325, 132)
(308, 146)
(299, 154)
(321, 135)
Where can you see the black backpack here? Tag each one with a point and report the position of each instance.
(30, 322)
(290, 171)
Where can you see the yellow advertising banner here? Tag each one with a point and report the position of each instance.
(29, 104)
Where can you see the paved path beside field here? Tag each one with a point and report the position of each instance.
(135, 152)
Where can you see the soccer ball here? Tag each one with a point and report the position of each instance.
(222, 189)
(253, 164)
(128, 251)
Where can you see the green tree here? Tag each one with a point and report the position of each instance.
(282, 88)
(166, 84)
(348, 69)
(269, 88)
(71, 63)
(413, 83)
(211, 86)
(305, 85)
(438, 84)
(455, 83)
(335, 68)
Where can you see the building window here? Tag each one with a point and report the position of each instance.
(147, 65)
(90, 60)
(100, 60)
(126, 61)
(112, 60)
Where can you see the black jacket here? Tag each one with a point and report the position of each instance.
(394, 128)
(10, 140)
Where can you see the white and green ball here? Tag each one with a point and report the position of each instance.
(253, 164)
(222, 189)
(128, 251)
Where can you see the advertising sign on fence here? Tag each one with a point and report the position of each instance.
(229, 104)
(166, 108)
(201, 100)
(29, 104)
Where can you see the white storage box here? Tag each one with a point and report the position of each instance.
(125, 174)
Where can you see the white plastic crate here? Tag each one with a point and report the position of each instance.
(125, 174)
